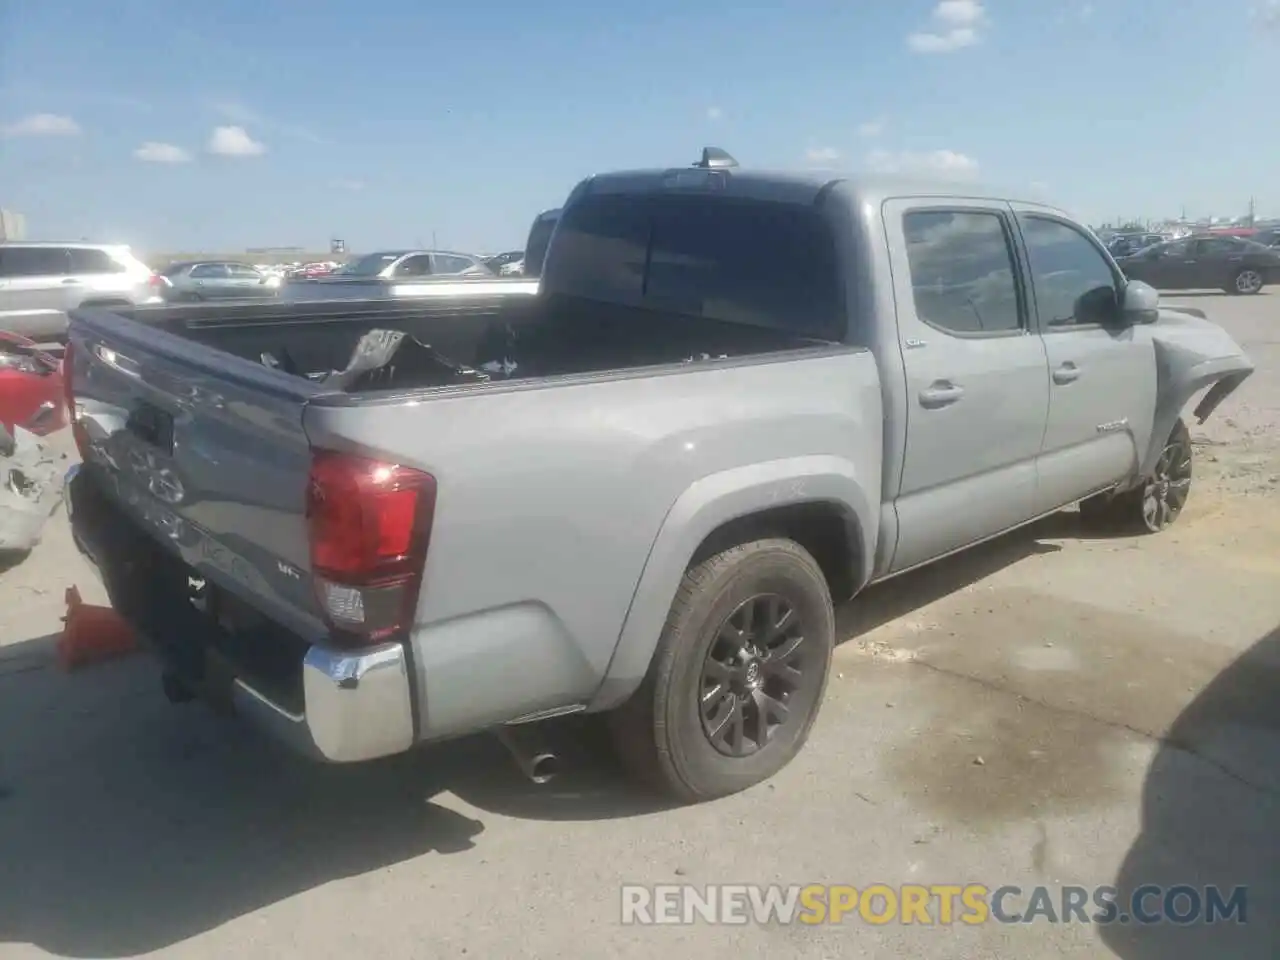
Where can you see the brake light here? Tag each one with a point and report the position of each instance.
(68, 393)
(155, 280)
(369, 524)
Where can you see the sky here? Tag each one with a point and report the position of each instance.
(229, 124)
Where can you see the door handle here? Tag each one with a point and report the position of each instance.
(1067, 373)
(940, 393)
(69, 282)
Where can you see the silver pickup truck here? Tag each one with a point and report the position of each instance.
(736, 398)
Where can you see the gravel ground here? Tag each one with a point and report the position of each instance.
(1047, 709)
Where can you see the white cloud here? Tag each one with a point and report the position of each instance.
(957, 24)
(715, 113)
(42, 125)
(948, 164)
(871, 128)
(960, 13)
(822, 156)
(243, 115)
(1267, 13)
(234, 142)
(347, 184)
(155, 152)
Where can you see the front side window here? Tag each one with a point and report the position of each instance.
(1073, 281)
(962, 271)
(415, 266)
(241, 271)
(208, 271)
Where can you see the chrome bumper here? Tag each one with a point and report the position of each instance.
(356, 706)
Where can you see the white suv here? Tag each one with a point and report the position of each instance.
(41, 282)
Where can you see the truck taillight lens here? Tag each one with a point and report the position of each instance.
(68, 393)
(369, 524)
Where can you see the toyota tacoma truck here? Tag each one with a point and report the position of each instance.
(736, 399)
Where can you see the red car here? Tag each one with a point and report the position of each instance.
(31, 394)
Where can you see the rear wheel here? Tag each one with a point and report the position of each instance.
(1158, 502)
(738, 676)
(1246, 282)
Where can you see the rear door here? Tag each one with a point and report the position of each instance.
(244, 281)
(1102, 377)
(977, 380)
(38, 291)
(209, 281)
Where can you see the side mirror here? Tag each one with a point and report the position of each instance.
(1140, 303)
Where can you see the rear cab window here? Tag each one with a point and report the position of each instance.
(745, 261)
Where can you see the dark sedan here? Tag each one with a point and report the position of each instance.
(1199, 263)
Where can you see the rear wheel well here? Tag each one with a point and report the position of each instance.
(827, 530)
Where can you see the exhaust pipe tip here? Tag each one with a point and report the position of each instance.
(530, 753)
(543, 768)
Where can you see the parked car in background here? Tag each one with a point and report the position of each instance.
(31, 392)
(1225, 263)
(535, 247)
(501, 263)
(217, 280)
(736, 398)
(41, 282)
(1124, 244)
(411, 265)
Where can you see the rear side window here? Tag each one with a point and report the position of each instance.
(742, 261)
(447, 263)
(89, 261)
(209, 271)
(34, 262)
(962, 271)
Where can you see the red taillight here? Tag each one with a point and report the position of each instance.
(69, 394)
(369, 524)
(155, 280)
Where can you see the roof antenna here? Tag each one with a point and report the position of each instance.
(713, 158)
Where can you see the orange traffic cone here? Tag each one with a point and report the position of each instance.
(92, 633)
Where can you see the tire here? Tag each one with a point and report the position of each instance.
(665, 735)
(1154, 505)
(1246, 283)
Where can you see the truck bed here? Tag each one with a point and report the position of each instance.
(470, 339)
(551, 486)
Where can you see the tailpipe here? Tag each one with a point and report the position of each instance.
(531, 754)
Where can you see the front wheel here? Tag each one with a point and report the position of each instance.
(1246, 282)
(1158, 501)
(738, 676)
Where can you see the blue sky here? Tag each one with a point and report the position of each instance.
(233, 123)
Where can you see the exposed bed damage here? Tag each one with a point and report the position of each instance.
(30, 489)
(1191, 354)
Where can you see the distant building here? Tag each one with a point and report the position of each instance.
(13, 226)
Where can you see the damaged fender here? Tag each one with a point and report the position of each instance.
(1191, 353)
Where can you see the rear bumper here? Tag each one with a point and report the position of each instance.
(354, 706)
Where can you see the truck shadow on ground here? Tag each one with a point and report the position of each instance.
(128, 825)
(1211, 817)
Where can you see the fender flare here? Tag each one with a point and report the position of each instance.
(704, 507)
(1225, 373)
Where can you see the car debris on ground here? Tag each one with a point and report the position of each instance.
(30, 489)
